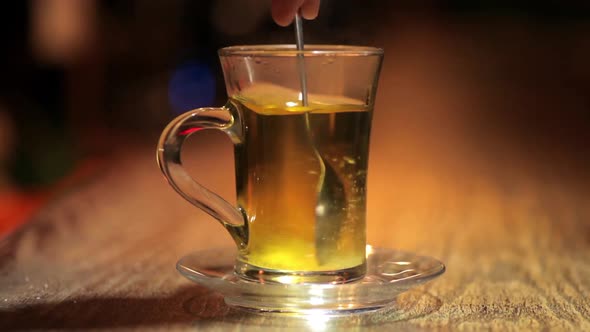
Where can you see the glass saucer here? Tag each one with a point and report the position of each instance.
(389, 273)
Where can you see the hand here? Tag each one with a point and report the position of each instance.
(283, 11)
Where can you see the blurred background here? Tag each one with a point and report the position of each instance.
(466, 85)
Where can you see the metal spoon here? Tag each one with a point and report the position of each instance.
(331, 200)
(300, 59)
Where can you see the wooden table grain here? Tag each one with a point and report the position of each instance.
(515, 241)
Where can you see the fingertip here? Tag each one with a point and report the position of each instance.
(309, 16)
(283, 11)
(284, 20)
(310, 9)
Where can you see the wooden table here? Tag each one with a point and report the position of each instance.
(515, 241)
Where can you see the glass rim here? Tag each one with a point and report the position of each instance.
(290, 50)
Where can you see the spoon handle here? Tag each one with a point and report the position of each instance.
(300, 59)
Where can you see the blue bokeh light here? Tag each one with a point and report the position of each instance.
(191, 86)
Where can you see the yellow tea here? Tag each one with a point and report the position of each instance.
(301, 180)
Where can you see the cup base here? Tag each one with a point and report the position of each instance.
(262, 275)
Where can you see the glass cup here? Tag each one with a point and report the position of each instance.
(301, 167)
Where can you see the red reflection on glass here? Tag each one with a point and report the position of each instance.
(189, 131)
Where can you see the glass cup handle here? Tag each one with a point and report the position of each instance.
(168, 157)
